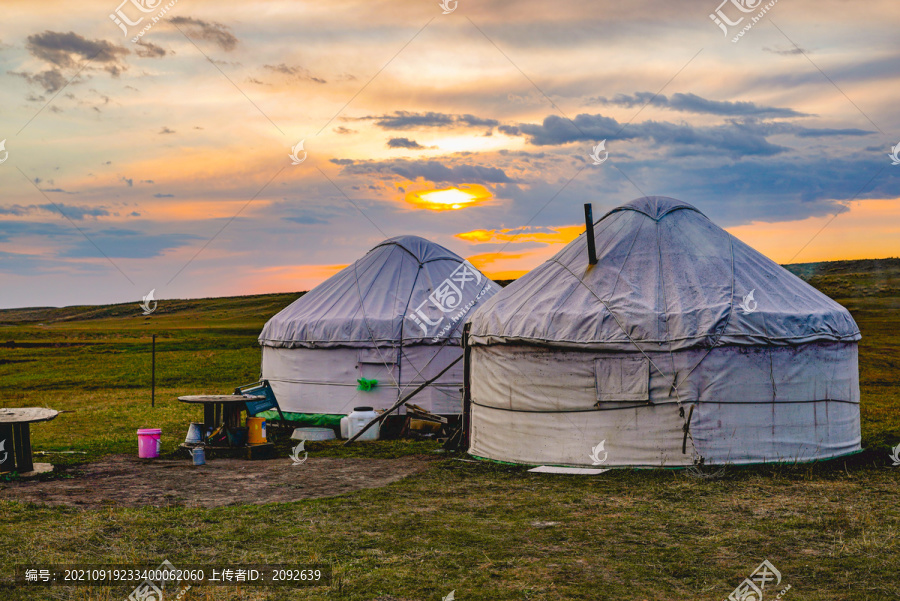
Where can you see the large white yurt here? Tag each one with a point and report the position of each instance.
(681, 345)
(394, 316)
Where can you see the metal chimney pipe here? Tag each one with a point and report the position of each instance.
(589, 231)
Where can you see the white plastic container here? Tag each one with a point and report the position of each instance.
(356, 421)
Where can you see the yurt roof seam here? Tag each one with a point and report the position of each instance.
(622, 267)
(680, 207)
(611, 239)
(560, 303)
(394, 242)
(338, 298)
(724, 326)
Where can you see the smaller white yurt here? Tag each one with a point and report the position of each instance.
(394, 317)
(681, 345)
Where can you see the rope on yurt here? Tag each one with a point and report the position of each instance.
(443, 344)
(591, 410)
(403, 323)
(362, 307)
(400, 390)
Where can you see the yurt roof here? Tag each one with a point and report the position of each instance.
(667, 278)
(406, 290)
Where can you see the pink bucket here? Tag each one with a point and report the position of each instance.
(148, 443)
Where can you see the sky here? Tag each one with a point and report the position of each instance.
(202, 149)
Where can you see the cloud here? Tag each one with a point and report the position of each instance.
(733, 138)
(210, 31)
(127, 244)
(62, 49)
(296, 72)
(305, 220)
(16, 210)
(408, 120)
(787, 51)
(432, 171)
(880, 68)
(51, 80)
(22, 263)
(150, 50)
(67, 51)
(546, 235)
(12, 229)
(770, 128)
(128, 181)
(691, 103)
(77, 213)
(344, 130)
(74, 212)
(404, 143)
(160, 195)
(166, 130)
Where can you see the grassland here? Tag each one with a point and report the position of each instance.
(486, 530)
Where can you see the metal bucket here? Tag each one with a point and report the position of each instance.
(194, 433)
(199, 456)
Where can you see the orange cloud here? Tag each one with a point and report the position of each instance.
(512, 265)
(556, 235)
(500, 265)
(484, 261)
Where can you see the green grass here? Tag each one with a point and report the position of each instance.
(489, 531)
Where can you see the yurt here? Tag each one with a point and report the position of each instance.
(681, 345)
(373, 332)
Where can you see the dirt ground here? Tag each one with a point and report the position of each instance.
(125, 480)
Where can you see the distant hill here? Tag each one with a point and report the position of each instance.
(837, 279)
(232, 308)
(850, 279)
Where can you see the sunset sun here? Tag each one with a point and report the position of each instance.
(449, 199)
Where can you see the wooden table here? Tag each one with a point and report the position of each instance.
(15, 438)
(219, 409)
